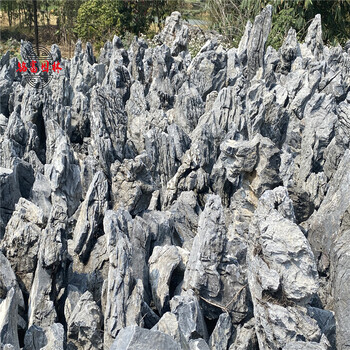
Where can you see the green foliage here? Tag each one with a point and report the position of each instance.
(13, 46)
(335, 19)
(281, 23)
(229, 18)
(127, 39)
(96, 19)
(8, 6)
(163, 8)
(135, 16)
(66, 12)
(91, 20)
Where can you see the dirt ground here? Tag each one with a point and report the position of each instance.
(47, 36)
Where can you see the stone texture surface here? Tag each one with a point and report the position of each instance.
(150, 199)
(136, 338)
(84, 324)
(166, 264)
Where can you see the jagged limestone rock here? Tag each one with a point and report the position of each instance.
(340, 272)
(11, 299)
(136, 338)
(221, 335)
(245, 337)
(132, 184)
(39, 338)
(124, 294)
(91, 216)
(174, 34)
(166, 265)
(189, 316)
(9, 196)
(21, 240)
(282, 273)
(84, 324)
(257, 40)
(169, 324)
(211, 271)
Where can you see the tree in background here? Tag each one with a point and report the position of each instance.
(163, 8)
(9, 7)
(98, 20)
(90, 20)
(21, 10)
(229, 18)
(335, 18)
(135, 16)
(17, 9)
(66, 12)
(36, 30)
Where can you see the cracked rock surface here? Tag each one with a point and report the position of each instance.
(155, 200)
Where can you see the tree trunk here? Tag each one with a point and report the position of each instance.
(28, 14)
(158, 14)
(36, 26)
(19, 16)
(9, 15)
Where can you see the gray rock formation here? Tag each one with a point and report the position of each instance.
(84, 324)
(136, 338)
(282, 274)
(164, 262)
(11, 299)
(151, 199)
(189, 316)
(91, 216)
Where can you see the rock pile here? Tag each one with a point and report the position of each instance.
(154, 200)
